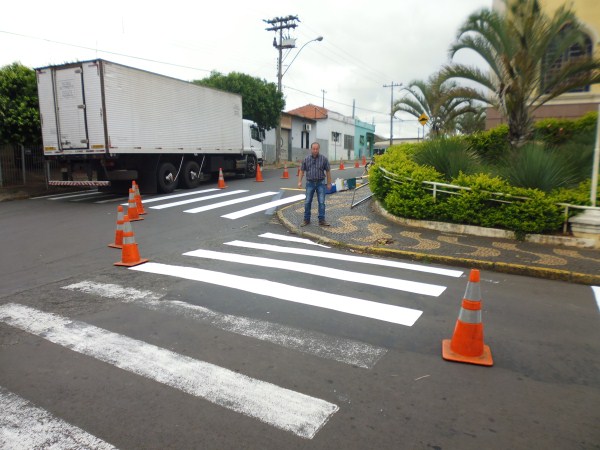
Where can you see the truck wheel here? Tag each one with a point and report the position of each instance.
(190, 176)
(250, 166)
(166, 177)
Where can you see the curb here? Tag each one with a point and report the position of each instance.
(501, 267)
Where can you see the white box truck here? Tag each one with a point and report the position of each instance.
(114, 123)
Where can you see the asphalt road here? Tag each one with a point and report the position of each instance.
(223, 350)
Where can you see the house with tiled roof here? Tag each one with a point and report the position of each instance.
(340, 137)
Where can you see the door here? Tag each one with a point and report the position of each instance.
(70, 105)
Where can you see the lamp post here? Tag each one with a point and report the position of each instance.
(279, 77)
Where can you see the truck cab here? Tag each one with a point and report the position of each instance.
(253, 138)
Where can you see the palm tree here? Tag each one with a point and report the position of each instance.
(471, 122)
(528, 56)
(438, 99)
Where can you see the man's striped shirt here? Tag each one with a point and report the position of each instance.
(315, 168)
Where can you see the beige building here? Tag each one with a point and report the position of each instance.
(574, 104)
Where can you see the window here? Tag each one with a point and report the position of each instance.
(348, 142)
(362, 140)
(305, 138)
(553, 62)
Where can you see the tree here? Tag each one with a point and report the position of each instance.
(19, 114)
(260, 100)
(437, 98)
(472, 121)
(529, 59)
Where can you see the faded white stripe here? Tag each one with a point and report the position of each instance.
(169, 197)
(344, 257)
(321, 271)
(283, 237)
(263, 207)
(230, 202)
(86, 194)
(282, 408)
(197, 199)
(346, 351)
(349, 305)
(596, 291)
(25, 426)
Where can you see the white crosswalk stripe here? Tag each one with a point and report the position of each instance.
(344, 257)
(263, 207)
(281, 291)
(288, 410)
(229, 202)
(346, 351)
(198, 199)
(24, 426)
(312, 269)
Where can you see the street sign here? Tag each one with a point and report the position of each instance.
(423, 119)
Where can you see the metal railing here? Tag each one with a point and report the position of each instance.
(436, 187)
(24, 165)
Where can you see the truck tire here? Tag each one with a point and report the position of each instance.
(251, 166)
(166, 177)
(190, 175)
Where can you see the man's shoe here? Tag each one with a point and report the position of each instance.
(306, 222)
(322, 223)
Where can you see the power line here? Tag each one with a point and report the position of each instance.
(106, 51)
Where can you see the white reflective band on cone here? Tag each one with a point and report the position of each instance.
(469, 316)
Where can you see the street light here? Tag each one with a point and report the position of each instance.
(279, 77)
(320, 38)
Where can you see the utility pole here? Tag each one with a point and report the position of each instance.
(324, 92)
(392, 86)
(280, 24)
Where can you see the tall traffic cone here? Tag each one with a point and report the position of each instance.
(356, 164)
(119, 231)
(364, 161)
(130, 255)
(341, 164)
(138, 198)
(132, 209)
(221, 184)
(467, 344)
(285, 175)
(259, 176)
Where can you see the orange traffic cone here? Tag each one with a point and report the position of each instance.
(119, 231)
(138, 198)
(341, 164)
(364, 161)
(259, 176)
(285, 175)
(466, 344)
(356, 164)
(132, 209)
(130, 255)
(221, 184)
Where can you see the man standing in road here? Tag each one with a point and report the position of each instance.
(316, 167)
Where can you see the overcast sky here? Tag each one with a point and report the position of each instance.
(366, 44)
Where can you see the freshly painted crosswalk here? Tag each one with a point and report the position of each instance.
(288, 410)
(349, 305)
(26, 426)
(322, 271)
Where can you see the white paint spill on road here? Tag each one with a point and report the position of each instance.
(350, 258)
(282, 408)
(229, 202)
(283, 237)
(596, 291)
(346, 351)
(24, 426)
(198, 199)
(349, 305)
(263, 207)
(169, 197)
(321, 271)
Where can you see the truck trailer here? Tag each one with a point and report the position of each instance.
(107, 124)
